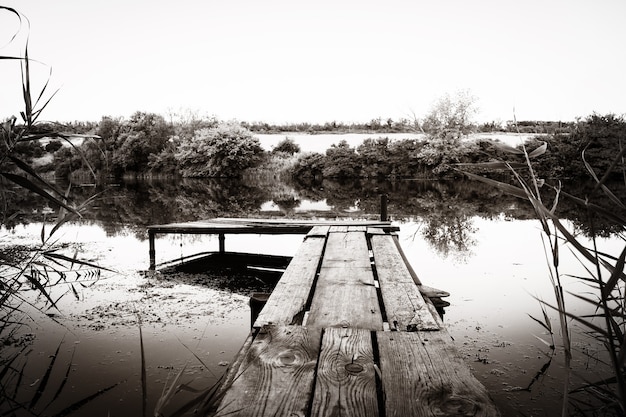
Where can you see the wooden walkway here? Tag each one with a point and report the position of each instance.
(347, 332)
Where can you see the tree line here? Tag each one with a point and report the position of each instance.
(147, 144)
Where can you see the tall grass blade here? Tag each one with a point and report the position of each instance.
(545, 325)
(197, 357)
(617, 160)
(582, 321)
(78, 404)
(29, 185)
(168, 393)
(79, 151)
(75, 292)
(20, 377)
(616, 275)
(508, 188)
(36, 284)
(37, 112)
(611, 215)
(19, 17)
(44, 381)
(53, 255)
(64, 381)
(600, 183)
(26, 168)
(492, 165)
(144, 383)
(539, 151)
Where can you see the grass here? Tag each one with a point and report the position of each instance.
(41, 267)
(604, 277)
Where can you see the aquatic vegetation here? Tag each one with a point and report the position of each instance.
(40, 267)
(605, 271)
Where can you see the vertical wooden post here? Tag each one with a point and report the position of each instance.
(383, 207)
(151, 251)
(257, 302)
(222, 240)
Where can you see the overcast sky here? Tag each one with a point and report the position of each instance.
(320, 60)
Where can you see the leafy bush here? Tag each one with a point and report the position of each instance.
(53, 146)
(593, 142)
(341, 161)
(222, 151)
(287, 146)
(402, 155)
(375, 158)
(309, 165)
(145, 134)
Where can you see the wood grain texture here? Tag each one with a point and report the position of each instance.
(346, 381)
(276, 376)
(286, 305)
(404, 305)
(345, 295)
(423, 375)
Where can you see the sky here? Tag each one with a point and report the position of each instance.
(284, 61)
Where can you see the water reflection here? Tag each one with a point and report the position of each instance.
(444, 208)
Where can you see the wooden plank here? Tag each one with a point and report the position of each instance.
(375, 231)
(276, 376)
(318, 231)
(357, 228)
(258, 226)
(423, 375)
(405, 307)
(346, 381)
(345, 295)
(289, 298)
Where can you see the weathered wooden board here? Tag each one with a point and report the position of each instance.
(423, 375)
(405, 307)
(318, 231)
(372, 230)
(345, 294)
(286, 305)
(276, 376)
(346, 381)
(348, 228)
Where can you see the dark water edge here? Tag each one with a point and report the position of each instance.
(449, 230)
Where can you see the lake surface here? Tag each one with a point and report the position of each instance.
(472, 241)
(321, 142)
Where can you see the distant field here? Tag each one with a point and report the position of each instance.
(321, 142)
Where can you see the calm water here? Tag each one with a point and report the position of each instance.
(481, 246)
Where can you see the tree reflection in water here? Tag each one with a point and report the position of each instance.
(444, 209)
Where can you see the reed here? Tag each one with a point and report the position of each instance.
(605, 272)
(43, 266)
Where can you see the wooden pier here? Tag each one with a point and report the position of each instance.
(349, 330)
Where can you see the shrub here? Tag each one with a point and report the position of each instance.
(222, 151)
(374, 157)
(287, 146)
(309, 165)
(341, 161)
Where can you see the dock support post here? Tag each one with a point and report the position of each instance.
(383, 207)
(222, 240)
(152, 251)
(257, 302)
